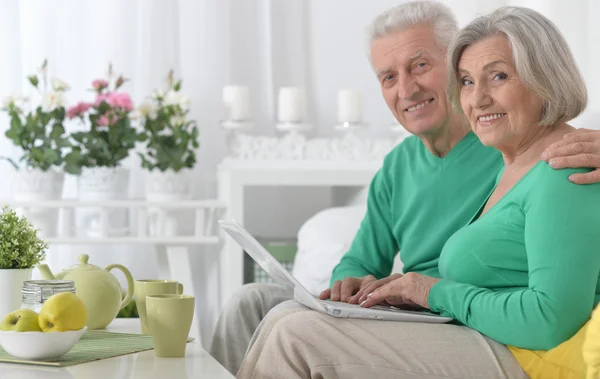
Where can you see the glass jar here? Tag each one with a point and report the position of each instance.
(34, 293)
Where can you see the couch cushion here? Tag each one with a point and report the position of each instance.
(322, 241)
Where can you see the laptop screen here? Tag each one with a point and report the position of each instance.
(268, 263)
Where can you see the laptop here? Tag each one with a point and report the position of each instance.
(333, 308)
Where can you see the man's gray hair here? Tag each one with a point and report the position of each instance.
(541, 55)
(431, 13)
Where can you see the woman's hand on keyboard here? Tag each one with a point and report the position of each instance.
(409, 290)
(361, 295)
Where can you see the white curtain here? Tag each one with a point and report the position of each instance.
(263, 44)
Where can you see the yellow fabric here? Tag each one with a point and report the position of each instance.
(591, 346)
(565, 361)
(570, 360)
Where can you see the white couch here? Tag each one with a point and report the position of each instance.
(323, 240)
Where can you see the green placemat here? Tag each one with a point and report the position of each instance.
(92, 346)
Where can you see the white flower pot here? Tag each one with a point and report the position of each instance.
(11, 282)
(99, 184)
(32, 185)
(167, 186)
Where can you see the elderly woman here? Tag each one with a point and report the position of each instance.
(523, 272)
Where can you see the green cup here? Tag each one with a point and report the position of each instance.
(170, 319)
(143, 288)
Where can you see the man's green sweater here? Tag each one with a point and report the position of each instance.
(416, 202)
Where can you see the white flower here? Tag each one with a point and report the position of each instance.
(59, 85)
(177, 98)
(17, 99)
(147, 109)
(52, 100)
(165, 132)
(177, 121)
(158, 94)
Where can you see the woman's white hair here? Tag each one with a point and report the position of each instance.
(434, 14)
(541, 55)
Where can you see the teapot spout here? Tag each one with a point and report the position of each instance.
(45, 271)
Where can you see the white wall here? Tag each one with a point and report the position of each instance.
(336, 58)
(265, 44)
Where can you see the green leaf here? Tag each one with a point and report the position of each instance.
(79, 137)
(51, 156)
(33, 79)
(57, 131)
(37, 154)
(73, 169)
(63, 143)
(13, 136)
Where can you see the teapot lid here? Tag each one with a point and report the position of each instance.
(83, 264)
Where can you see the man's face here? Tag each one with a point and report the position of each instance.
(411, 70)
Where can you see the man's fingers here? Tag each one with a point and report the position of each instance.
(325, 294)
(576, 161)
(349, 287)
(587, 178)
(571, 149)
(582, 136)
(335, 290)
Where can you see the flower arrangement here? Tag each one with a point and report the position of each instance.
(170, 135)
(39, 131)
(110, 136)
(20, 246)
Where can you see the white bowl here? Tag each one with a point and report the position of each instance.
(39, 346)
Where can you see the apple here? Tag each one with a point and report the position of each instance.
(62, 312)
(22, 320)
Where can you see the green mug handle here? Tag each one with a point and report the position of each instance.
(179, 288)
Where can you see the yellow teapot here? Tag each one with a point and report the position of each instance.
(97, 287)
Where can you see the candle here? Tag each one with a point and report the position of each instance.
(350, 107)
(237, 101)
(292, 104)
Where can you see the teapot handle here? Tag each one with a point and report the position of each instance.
(129, 278)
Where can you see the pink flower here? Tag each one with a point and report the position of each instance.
(116, 100)
(99, 84)
(78, 110)
(103, 97)
(107, 120)
(121, 100)
(103, 120)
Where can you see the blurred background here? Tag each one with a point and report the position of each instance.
(318, 45)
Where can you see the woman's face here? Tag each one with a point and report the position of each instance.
(503, 113)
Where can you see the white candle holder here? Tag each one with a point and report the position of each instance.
(237, 125)
(293, 126)
(350, 126)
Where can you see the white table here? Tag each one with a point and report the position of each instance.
(196, 364)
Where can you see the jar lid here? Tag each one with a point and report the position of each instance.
(47, 285)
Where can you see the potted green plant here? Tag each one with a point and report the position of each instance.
(20, 250)
(98, 150)
(37, 130)
(171, 141)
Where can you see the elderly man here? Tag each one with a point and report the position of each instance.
(426, 190)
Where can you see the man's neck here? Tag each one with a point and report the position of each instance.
(443, 139)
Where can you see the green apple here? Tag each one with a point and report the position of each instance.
(22, 320)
